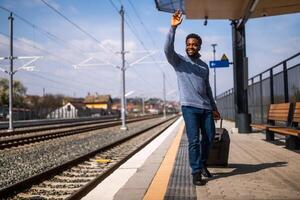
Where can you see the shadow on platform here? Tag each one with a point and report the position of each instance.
(239, 169)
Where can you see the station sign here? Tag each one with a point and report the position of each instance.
(218, 63)
(224, 62)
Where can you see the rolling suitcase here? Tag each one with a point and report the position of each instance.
(219, 152)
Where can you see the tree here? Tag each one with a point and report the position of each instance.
(18, 93)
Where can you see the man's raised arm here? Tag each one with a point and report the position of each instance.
(171, 55)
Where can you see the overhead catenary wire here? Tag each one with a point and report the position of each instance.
(51, 35)
(48, 34)
(77, 26)
(146, 30)
(141, 42)
(142, 23)
(43, 50)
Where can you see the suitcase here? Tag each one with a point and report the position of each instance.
(219, 152)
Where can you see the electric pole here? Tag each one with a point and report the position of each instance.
(164, 94)
(123, 108)
(215, 74)
(11, 74)
(143, 105)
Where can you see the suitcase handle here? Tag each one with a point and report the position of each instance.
(221, 123)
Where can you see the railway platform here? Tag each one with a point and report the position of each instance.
(257, 169)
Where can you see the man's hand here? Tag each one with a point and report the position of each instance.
(176, 18)
(216, 115)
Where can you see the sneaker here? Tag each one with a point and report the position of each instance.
(205, 172)
(197, 179)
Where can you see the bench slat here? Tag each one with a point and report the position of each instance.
(284, 118)
(296, 117)
(278, 114)
(279, 110)
(265, 126)
(286, 131)
(280, 106)
(260, 126)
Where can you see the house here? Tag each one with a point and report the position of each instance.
(70, 110)
(101, 102)
(133, 105)
(116, 104)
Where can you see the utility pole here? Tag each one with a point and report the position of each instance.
(164, 94)
(123, 108)
(11, 73)
(215, 74)
(143, 105)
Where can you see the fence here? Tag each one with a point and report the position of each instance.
(278, 84)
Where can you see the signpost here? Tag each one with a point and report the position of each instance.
(224, 62)
(219, 63)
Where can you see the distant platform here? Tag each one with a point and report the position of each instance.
(257, 170)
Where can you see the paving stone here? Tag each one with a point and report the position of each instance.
(257, 170)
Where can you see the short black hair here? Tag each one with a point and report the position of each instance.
(194, 35)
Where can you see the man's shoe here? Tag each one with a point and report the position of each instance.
(205, 172)
(197, 179)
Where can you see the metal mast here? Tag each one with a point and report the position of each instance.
(215, 73)
(11, 73)
(123, 108)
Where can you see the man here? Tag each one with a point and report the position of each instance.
(197, 104)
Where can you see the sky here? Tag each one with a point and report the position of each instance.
(40, 31)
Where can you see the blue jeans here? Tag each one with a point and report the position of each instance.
(196, 120)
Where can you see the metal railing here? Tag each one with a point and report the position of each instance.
(278, 84)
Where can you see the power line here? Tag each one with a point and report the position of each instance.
(114, 5)
(133, 30)
(54, 37)
(140, 19)
(77, 26)
(141, 42)
(85, 32)
(49, 35)
(147, 31)
(49, 53)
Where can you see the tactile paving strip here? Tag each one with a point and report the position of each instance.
(180, 186)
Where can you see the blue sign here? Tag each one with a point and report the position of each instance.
(218, 63)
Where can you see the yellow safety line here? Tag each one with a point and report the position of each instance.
(159, 184)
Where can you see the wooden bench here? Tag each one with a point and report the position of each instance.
(277, 113)
(292, 132)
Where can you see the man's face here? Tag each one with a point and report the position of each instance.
(192, 47)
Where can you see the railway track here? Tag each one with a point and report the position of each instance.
(42, 127)
(75, 178)
(42, 122)
(37, 134)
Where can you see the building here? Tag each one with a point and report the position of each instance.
(70, 110)
(101, 102)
